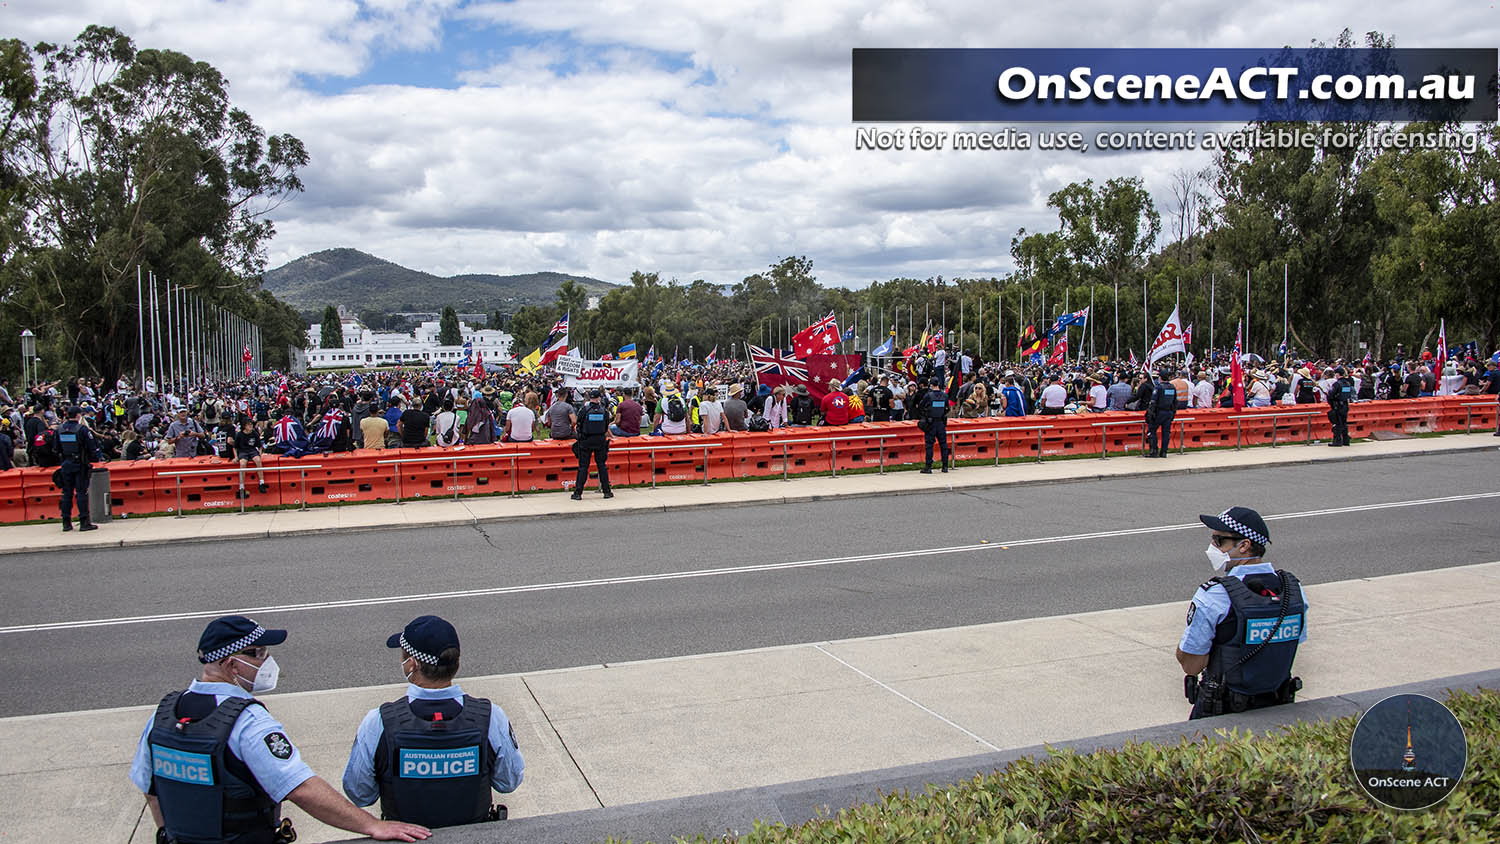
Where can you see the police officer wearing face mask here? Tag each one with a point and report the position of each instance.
(1340, 393)
(432, 755)
(1161, 408)
(932, 418)
(78, 449)
(593, 435)
(215, 765)
(1243, 626)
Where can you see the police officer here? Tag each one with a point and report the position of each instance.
(432, 756)
(1160, 410)
(78, 449)
(215, 765)
(592, 441)
(1243, 626)
(1340, 393)
(932, 417)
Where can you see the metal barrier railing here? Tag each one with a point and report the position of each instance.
(833, 464)
(655, 448)
(454, 458)
(179, 475)
(1469, 414)
(1275, 422)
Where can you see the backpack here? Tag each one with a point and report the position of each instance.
(676, 410)
(758, 423)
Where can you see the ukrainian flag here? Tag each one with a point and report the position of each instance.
(627, 352)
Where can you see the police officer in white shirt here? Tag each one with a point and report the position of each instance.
(432, 755)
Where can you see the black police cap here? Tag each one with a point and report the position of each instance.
(425, 638)
(233, 633)
(1240, 521)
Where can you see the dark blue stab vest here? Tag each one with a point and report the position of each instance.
(1165, 400)
(595, 421)
(1252, 652)
(937, 407)
(435, 773)
(207, 794)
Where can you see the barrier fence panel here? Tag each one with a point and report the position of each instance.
(206, 484)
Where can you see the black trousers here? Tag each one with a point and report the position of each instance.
(597, 449)
(937, 430)
(1338, 417)
(1159, 427)
(75, 487)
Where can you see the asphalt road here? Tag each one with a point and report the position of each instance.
(871, 566)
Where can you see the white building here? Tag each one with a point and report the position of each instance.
(365, 347)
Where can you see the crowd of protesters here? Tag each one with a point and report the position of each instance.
(343, 411)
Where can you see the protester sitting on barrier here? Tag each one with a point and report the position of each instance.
(801, 407)
(1053, 398)
(445, 425)
(710, 412)
(521, 425)
(556, 419)
(479, 425)
(671, 414)
(413, 426)
(735, 409)
(373, 429)
(627, 415)
(433, 755)
(835, 405)
(856, 405)
(247, 448)
(7, 445)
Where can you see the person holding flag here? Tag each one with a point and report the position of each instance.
(713, 357)
(1236, 369)
(816, 339)
(626, 352)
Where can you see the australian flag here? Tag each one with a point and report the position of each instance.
(848, 335)
(290, 436)
(1075, 318)
(468, 352)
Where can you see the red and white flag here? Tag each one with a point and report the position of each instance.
(816, 339)
(1187, 335)
(1442, 355)
(557, 341)
(247, 357)
(1237, 369)
(1169, 341)
(1059, 353)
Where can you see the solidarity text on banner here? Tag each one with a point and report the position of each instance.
(604, 374)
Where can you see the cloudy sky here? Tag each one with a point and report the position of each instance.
(700, 140)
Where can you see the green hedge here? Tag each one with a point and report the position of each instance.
(1293, 785)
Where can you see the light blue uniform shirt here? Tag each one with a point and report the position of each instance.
(247, 740)
(359, 774)
(1211, 605)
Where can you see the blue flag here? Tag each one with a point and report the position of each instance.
(855, 377)
(848, 335)
(886, 349)
(660, 365)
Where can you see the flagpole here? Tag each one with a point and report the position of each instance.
(1000, 335)
(1091, 320)
(1211, 284)
(1117, 320)
(140, 321)
(1285, 290)
(1247, 346)
(1145, 317)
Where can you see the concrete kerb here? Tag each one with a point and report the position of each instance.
(470, 519)
(737, 811)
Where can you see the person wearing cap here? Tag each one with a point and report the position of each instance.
(183, 434)
(592, 443)
(1161, 408)
(835, 404)
(1244, 625)
(77, 449)
(215, 765)
(1340, 393)
(432, 755)
(932, 417)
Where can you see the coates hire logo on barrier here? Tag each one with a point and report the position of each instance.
(604, 374)
(1175, 85)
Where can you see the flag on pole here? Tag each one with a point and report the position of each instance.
(818, 338)
(247, 357)
(1059, 353)
(1237, 369)
(1281, 350)
(1074, 318)
(1169, 341)
(468, 352)
(1133, 361)
(1187, 335)
(887, 348)
(713, 357)
(557, 341)
(479, 365)
(1442, 355)
(935, 341)
(627, 352)
(848, 335)
(1028, 336)
(650, 355)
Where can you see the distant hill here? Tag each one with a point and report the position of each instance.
(359, 281)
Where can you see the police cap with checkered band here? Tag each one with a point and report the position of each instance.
(231, 634)
(425, 638)
(1240, 521)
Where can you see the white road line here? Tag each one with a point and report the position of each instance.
(996, 545)
(905, 698)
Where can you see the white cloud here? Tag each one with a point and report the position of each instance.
(697, 139)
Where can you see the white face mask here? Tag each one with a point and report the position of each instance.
(265, 676)
(1217, 559)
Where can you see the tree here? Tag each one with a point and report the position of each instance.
(333, 329)
(450, 333)
(496, 320)
(131, 158)
(529, 326)
(571, 298)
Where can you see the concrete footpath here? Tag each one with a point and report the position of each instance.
(621, 734)
(163, 530)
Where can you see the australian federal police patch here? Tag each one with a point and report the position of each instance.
(279, 746)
